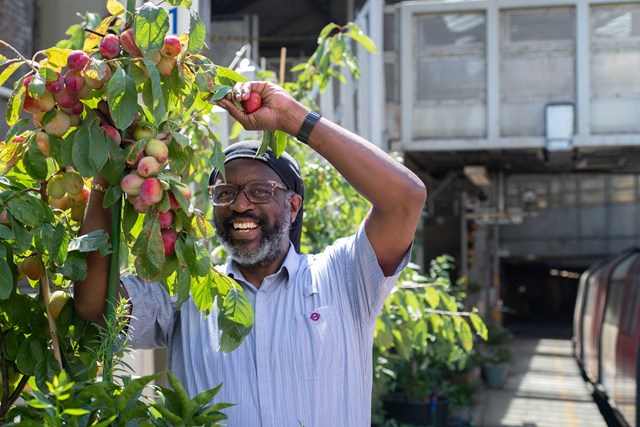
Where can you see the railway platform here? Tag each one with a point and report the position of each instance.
(544, 389)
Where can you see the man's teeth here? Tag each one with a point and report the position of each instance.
(245, 225)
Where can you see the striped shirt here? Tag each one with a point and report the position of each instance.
(307, 360)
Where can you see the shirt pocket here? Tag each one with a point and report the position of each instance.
(316, 344)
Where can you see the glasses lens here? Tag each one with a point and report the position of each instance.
(223, 194)
(259, 192)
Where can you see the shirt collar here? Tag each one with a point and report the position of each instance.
(290, 266)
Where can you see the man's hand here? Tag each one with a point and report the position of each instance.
(279, 111)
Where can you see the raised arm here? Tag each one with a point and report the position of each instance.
(396, 194)
(90, 295)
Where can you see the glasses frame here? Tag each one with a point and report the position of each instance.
(242, 188)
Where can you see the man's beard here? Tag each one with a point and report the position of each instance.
(267, 250)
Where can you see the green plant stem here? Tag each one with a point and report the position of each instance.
(114, 260)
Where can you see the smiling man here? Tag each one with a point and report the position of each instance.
(308, 357)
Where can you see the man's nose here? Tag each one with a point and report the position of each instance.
(242, 202)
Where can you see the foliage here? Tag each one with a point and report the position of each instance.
(497, 348)
(422, 338)
(137, 94)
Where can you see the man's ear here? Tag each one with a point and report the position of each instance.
(295, 202)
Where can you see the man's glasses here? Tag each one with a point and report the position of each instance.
(255, 191)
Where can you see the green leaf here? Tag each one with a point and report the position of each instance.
(115, 7)
(203, 260)
(34, 162)
(205, 80)
(28, 355)
(6, 276)
(66, 148)
(181, 139)
(29, 210)
(197, 33)
(206, 396)
(95, 240)
(36, 86)
(6, 233)
(279, 143)
(173, 419)
(113, 194)
(89, 150)
(201, 293)
(324, 33)
(182, 201)
(114, 167)
(129, 218)
(152, 24)
(204, 229)
(180, 3)
(8, 72)
(433, 297)
(23, 237)
(15, 129)
(57, 57)
(465, 336)
(219, 92)
(132, 391)
(229, 77)
(218, 157)
(14, 105)
(356, 34)
(268, 139)
(183, 397)
(122, 99)
(235, 315)
(157, 106)
(449, 301)
(183, 284)
(94, 38)
(479, 326)
(57, 243)
(11, 344)
(149, 251)
(76, 412)
(74, 267)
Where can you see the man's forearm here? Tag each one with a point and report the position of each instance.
(90, 294)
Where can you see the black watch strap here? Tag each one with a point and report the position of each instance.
(307, 126)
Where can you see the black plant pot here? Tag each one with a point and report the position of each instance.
(417, 413)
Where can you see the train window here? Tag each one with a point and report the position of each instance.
(540, 25)
(630, 315)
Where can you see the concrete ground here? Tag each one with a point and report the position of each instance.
(544, 389)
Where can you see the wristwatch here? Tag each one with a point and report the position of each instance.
(307, 126)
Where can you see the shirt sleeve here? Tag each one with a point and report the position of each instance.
(368, 287)
(153, 313)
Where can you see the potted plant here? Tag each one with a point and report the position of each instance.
(496, 354)
(421, 340)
